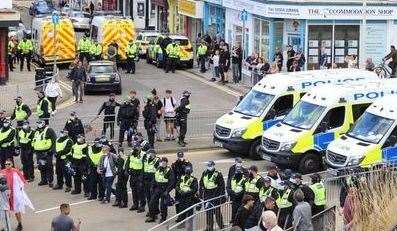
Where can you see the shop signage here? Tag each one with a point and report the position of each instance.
(190, 8)
(5, 4)
(375, 43)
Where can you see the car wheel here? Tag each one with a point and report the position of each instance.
(254, 150)
(310, 162)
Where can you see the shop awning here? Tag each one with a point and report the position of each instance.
(160, 3)
(9, 18)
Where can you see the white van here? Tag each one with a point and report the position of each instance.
(370, 141)
(322, 115)
(269, 100)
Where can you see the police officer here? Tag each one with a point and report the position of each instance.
(134, 101)
(296, 183)
(179, 166)
(132, 52)
(122, 180)
(149, 114)
(125, 118)
(63, 149)
(84, 47)
(7, 142)
(134, 166)
(238, 164)
(163, 183)
(79, 161)
(150, 165)
(181, 116)
(186, 189)
(272, 173)
(26, 49)
(43, 144)
(94, 179)
(285, 204)
(11, 52)
(74, 126)
(172, 51)
(319, 191)
(212, 185)
(236, 188)
(24, 138)
(95, 51)
(43, 108)
(267, 190)
(201, 54)
(21, 112)
(109, 109)
(254, 182)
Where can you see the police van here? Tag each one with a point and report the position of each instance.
(270, 99)
(322, 115)
(370, 141)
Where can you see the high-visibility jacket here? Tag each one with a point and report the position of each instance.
(264, 193)
(132, 50)
(185, 183)
(25, 46)
(149, 166)
(84, 45)
(159, 176)
(11, 47)
(283, 202)
(95, 156)
(38, 108)
(319, 193)
(77, 151)
(4, 134)
(173, 50)
(40, 143)
(250, 185)
(136, 162)
(60, 146)
(237, 186)
(209, 182)
(24, 137)
(95, 49)
(20, 114)
(202, 50)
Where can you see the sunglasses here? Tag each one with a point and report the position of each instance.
(8, 164)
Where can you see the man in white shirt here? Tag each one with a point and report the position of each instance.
(169, 104)
(53, 91)
(107, 169)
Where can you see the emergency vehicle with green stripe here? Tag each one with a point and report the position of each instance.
(269, 101)
(372, 139)
(321, 116)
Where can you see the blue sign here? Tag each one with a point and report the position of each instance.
(55, 18)
(244, 15)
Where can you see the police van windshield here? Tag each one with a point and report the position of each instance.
(304, 115)
(254, 103)
(370, 128)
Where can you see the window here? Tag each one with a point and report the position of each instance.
(302, 94)
(358, 110)
(261, 37)
(333, 119)
(283, 105)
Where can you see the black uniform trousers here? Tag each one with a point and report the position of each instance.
(28, 58)
(136, 185)
(171, 65)
(95, 183)
(63, 177)
(108, 125)
(182, 129)
(121, 189)
(158, 192)
(131, 65)
(10, 62)
(125, 126)
(148, 179)
(214, 211)
(45, 166)
(80, 170)
(184, 203)
(6, 153)
(202, 63)
(150, 135)
(27, 162)
(236, 202)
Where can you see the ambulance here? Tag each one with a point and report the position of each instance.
(371, 140)
(241, 129)
(321, 116)
(46, 47)
(108, 29)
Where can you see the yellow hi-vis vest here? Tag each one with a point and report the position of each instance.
(136, 163)
(20, 114)
(24, 137)
(186, 182)
(39, 142)
(38, 109)
(4, 135)
(319, 194)
(283, 202)
(202, 50)
(150, 166)
(95, 156)
(159, 176)
(264, 193)
(60, 146)
(209, 182)
(237, 187)
(250, 185)
(78, 151)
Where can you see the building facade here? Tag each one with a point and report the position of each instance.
(214, 18)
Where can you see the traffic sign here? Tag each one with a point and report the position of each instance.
(55, 18)
(244, 15)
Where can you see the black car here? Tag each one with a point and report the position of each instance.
(103, 76)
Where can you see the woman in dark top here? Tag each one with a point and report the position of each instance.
(224, 63)
(244, 211)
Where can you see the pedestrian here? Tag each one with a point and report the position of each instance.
(74, 126)
(294, 67)
(26, 49)
(238, 164)
(134, 101)
(63, 222)
(78, 76)
(369, 65)
(150, 165)
(300, 58)
(269, 222)
(320, 197)
(52, 92)
(24, 139)
(290, 57)
(278, 58)
(107, 169)
(215, 61)
(80, 165)
(163, 45)
(109, 109)
(179, 166)
(134, 168)
(323, 60)
(162, 185)
(182, 111)
(131, 52)
(63, 150)
(173, 52)
(7, 142)
(4, 204)
(160, 109)
(43, 145)
(236, 63)
(393, 63)
(254, 182)
(202, 55)
(243, 212)
(121, 183)
(302, 215)
(212, 185)
(170, 106)
(43, 108)
(236, 189)
(286, 206)
(350, 207)
(224, 63)
(21, 112)
(18, 199)
(94, 179)
(150, 119)
(125, 118)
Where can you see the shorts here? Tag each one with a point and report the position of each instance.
(169, 119)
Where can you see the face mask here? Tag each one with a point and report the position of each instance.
(98, 145)
(19, 102)
(111, 100)
(80, 140)
(152, 155)
(62, 134)
(210, 168)
(238, 165)
(6, 125)
(25, 127)
(163, 164)
(40, 125)
(72, 117)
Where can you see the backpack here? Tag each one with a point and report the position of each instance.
(172, 101)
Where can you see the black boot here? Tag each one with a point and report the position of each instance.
(74, 192)
(19, 227)
(41, 183)
(57, 187)
(116, 204)
(134, 207)
(141, 210)
(150, 219)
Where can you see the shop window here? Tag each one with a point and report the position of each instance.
(319, 36)
(238, 35)
(261, 38)
(278, 34)
(346, 43)
(359, 109)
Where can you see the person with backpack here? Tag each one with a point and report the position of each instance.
(169, 104)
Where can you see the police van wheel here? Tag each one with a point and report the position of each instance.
(254, 150)
(310, 162)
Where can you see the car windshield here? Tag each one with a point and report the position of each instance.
(370, 128)
(254, 103)
(304, 115)
(101, 69)
(182, 42)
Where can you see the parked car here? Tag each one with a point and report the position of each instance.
(186, 53)
(143, 39)
(80, 20)
(103, 76)
(40, 7)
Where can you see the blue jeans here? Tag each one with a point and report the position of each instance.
(108, 182)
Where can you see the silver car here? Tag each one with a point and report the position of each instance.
(80, 20)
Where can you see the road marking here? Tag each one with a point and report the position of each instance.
(70, 101)
(72, 204)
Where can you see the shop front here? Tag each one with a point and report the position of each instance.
(190, 18)
(158, 15)
(173, 16)
(214, 18)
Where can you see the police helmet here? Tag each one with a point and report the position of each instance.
(180, 154)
